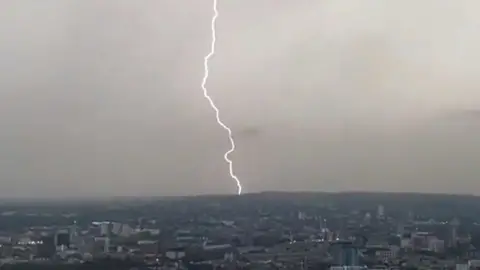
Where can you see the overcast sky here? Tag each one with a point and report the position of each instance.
(104, 98)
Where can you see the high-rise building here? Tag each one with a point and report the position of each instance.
(105, 228)
(367, 219)
(46, 248)
(106, 246)
(344, 253)
(454, 227)
(380, 212)
(62, 238)
(74, 234)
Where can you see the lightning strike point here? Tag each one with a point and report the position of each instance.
(212, 104)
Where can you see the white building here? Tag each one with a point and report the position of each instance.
(105, 228)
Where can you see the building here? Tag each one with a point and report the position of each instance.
(380, 212)
(387, 254)
(100, 245)
(46, 248)
(105, 228)
(406, 243)
(436, 245)
(116, 228)
(367, 219)
(73, 231)
(175, 253)
(454, 228)
(344, 253)
(126, 230)
(62, 239)
(148, 246)
(474, 264)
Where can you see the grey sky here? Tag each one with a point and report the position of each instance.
(104, 98)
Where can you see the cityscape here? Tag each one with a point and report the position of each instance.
(268, 230)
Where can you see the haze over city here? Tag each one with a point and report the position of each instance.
(103, 97)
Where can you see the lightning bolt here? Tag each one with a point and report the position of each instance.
(212, 104)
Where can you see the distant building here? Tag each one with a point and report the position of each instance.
(406, 243)
(126, 230)
(367, 219)
(380, 212)
(116, 228)
(436, 245)
(474, 264)
(421, 240)
(5, 239)
(344, 254)
(46, 248)
(7, 250)
(105, 228)
(148, 246)
(175, 253)
(454, 228)
(73, 231)
(387, 254)
(106, 246)
(62, 239)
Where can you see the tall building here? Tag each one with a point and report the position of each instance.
(380, 212)
(74, 235)
(367, 219)
(141, 222)
(411, 216)
(454, 228)
(106, 246)
(345, 253)
(46, 249)
(62, 239)
(105, 228)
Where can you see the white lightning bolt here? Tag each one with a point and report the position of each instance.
(212, 104)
